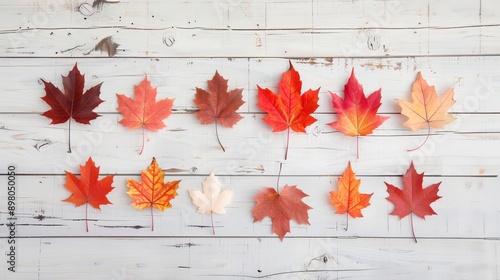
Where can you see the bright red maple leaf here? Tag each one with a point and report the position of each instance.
(144, 111)
(89, 189)
(218, 105)
(357, 115)
(73, 103)
(413, 198)
(289, 109)
(281, 208)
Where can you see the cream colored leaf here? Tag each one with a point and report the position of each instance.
(211, 199)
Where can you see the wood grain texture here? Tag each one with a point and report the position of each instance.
(179, 45)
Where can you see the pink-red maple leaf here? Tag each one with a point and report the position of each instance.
(357, 115)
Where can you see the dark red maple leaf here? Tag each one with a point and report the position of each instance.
(218, 105)
(289, 109)
(88, 189)
(281, 208)
(413, 198)
(73, 103)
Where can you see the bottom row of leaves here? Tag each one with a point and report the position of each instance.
(281, 206)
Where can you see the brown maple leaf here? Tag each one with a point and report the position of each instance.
(281, 208)
(144, 111)
(152, 192)
(289, 109)
(347, 199)
(89, 189)
(413, 198)
(426, 109)
(73, 103)
(218, 105)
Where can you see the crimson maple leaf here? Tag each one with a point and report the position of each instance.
(218, 105)
(289, 109)
(144, 111)
(357, 115)
(281, 208)
(89, 189)
(73, 103)
(413, 198)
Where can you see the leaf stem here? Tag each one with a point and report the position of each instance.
(87, 216)
(412, 229)
(69, 135)
(347, 220)
(357, 146)
(217, 134)
(212, 221)
(142, 148)
(278, 181)
(152, 220)
(425, 141)
(287, 142)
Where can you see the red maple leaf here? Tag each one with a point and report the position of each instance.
(144, 111)
(89, 189)
(357, 115)
(289, 109)
(281, 208)
(413, 198)
(218, 105)
(73, 103)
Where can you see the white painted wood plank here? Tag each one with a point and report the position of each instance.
(248, 14)
(243, 258)
(465, 147)
(67, 42)
(467, 209)
(475, 79)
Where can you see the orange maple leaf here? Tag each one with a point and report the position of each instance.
(347, 199)
(413, 198)
(357, 115)
(281, 208)
(218, 105)
(152, 191)
(144, 111)
(426, 109)
(289, 109)
(89, 189)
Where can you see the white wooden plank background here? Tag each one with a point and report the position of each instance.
(179, 45)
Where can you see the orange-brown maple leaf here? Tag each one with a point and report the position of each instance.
(89, 189)
(144, 111)
(357, 115)
(73, 103)
(218, 105)
(347, 199)
(152, 192)
(426, 108)
(413, 198)
(289, 109)
(281, 208)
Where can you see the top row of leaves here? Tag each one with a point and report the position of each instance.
(289, 109)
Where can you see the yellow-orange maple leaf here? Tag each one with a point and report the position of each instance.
(348, 199)
(426, 108)
(152, 191)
